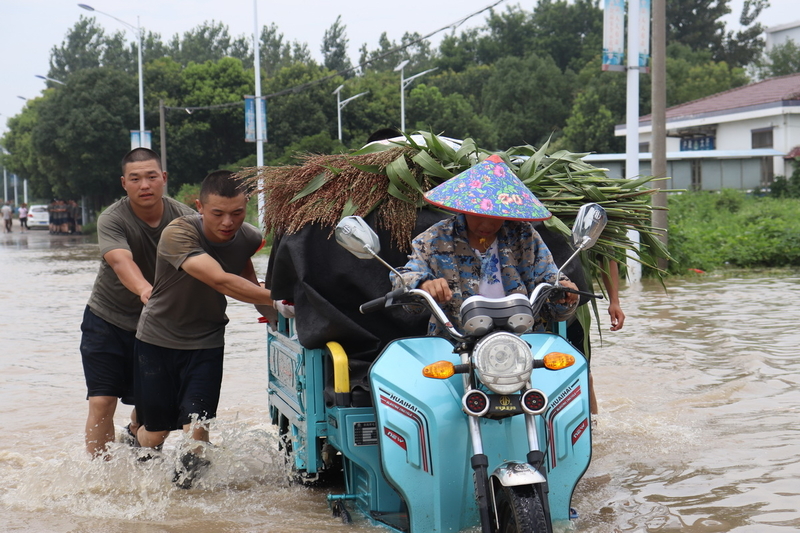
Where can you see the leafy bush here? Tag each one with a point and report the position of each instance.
(709, 230)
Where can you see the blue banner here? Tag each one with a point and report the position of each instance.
(614, 35)
(136, 142)
(250, 119)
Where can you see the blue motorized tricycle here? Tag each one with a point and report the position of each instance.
(488, 427)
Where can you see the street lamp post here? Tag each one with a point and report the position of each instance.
(138, 31)
(405, 82)
(340, 105)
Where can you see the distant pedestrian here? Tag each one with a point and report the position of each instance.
(23, 217)
(7, 214)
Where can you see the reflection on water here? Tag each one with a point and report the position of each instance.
(698, 430)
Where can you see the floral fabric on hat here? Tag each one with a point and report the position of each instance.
(488, 189)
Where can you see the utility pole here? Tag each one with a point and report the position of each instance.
(658, 138)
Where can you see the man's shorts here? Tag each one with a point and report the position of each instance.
(107, 355)
(172, 385)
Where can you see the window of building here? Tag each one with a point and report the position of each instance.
(761, 138)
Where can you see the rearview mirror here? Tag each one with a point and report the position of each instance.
(355, 236)
(589, 224)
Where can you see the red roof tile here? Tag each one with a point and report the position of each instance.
(765, 92)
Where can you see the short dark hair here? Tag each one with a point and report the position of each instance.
(222, 183)
(140, 154)
(384, 133)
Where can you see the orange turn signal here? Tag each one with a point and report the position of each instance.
(439, 370)
(558, 360)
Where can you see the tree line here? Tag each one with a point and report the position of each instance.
(524, 76)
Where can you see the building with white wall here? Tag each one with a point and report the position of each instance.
(739, 138)
(777, 35)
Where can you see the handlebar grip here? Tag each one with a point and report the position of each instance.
(582, 293)
(372, 305)
(378, 303)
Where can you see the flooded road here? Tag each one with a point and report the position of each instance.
(699, 429)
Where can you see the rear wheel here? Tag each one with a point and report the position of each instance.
(519, 510)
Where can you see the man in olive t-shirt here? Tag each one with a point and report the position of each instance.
(127, 232)
(181, 332)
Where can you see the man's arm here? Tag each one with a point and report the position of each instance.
(611, 282)
(206, 269)
(129, 273)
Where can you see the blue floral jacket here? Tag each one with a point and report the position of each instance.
(443, 251)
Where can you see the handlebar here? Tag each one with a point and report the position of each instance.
(582, 293)
(379, 303)
(433, 307)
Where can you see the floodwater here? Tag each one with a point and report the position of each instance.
(699, 429)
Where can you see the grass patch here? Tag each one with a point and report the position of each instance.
(711, 230)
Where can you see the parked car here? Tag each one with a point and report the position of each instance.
(38, 217)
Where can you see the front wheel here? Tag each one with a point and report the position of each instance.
(519, 510)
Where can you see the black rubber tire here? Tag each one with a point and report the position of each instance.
(519, 510)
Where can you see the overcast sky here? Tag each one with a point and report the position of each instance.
(29, 29)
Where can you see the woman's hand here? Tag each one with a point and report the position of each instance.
(437, 288)
(570, 298)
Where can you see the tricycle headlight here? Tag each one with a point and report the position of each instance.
(503, 362)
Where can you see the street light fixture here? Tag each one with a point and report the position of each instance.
(405, 82)
(341, 103)
(138, 31)
(50, 79)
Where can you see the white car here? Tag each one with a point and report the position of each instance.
(38, 217)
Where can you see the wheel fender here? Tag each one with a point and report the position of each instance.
(514, 473)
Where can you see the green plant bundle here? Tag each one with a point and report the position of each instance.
(393, 176)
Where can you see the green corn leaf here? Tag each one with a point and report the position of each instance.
(316, 182)
(402, 177)
(431, 166)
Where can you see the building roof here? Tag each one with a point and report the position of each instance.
(782, 27)
(774, 92)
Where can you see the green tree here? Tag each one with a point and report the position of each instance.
(590, 126)
(277, 54)
(459, 52)
(780, 60)
(334, 47)
(22, 158)
(692, 75)
(698, 24)
(746, 45)
(570, 32)
(210, 41)
(208, 139)
(82, 131)
(295, 115)
(452, 115)
(510, 33)
(527, 99)
(87, 46)
(389, 54)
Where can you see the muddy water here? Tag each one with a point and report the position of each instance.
(699, 429)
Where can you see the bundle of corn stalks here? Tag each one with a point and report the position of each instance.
(392, 177)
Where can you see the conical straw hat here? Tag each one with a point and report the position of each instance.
(488, 189)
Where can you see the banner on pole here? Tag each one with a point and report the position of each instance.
(137, 142)
(644, 35)
(250, 118)
(614, 35)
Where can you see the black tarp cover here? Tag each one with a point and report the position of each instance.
(327, 284)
